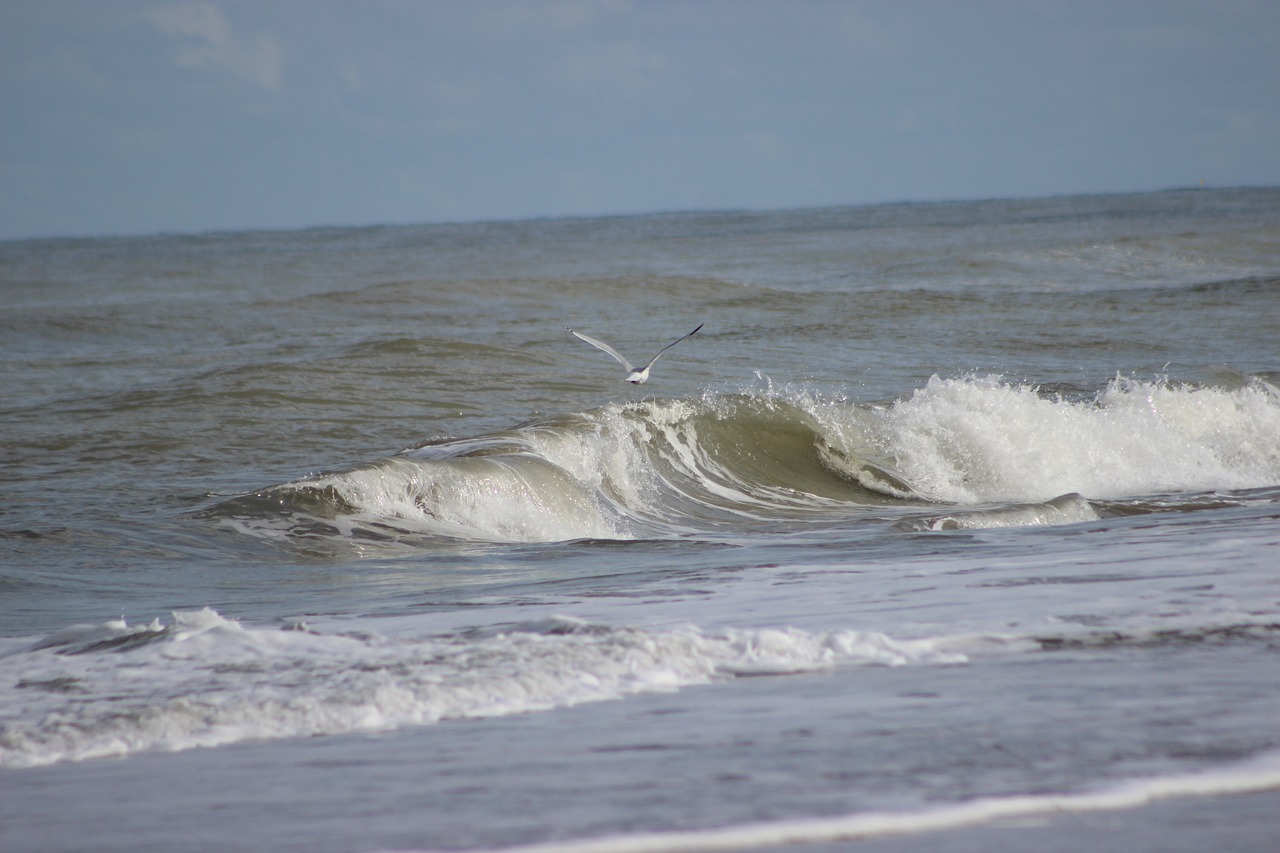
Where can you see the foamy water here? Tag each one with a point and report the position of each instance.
(982, 441)
(229, 683)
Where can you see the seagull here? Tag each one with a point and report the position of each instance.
(635, 375)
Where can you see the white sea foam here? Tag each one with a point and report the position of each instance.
(204, 680)
(607, 452)
(516, 497)
(1259, 774)
(974, 441)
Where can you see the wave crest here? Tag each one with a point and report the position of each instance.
(1006, 454)
(974, 441)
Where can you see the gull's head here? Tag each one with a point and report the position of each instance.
(638, 376)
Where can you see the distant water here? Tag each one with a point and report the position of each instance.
(989, 491)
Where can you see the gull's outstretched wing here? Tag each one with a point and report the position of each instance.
(603, 346)
(661, 351)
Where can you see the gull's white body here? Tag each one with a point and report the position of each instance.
(635, 375)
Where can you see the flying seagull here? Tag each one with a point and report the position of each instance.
(635, 375)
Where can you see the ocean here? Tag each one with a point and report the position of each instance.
(956, 526)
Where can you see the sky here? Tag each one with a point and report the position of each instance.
(129, 117)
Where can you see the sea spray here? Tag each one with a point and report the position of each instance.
(975, 441)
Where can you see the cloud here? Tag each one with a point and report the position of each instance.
(210, 43)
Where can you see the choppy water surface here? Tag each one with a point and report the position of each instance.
(988, 490)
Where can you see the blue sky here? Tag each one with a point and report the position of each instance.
(124, 117)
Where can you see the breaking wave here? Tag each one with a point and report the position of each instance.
(994, 453)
